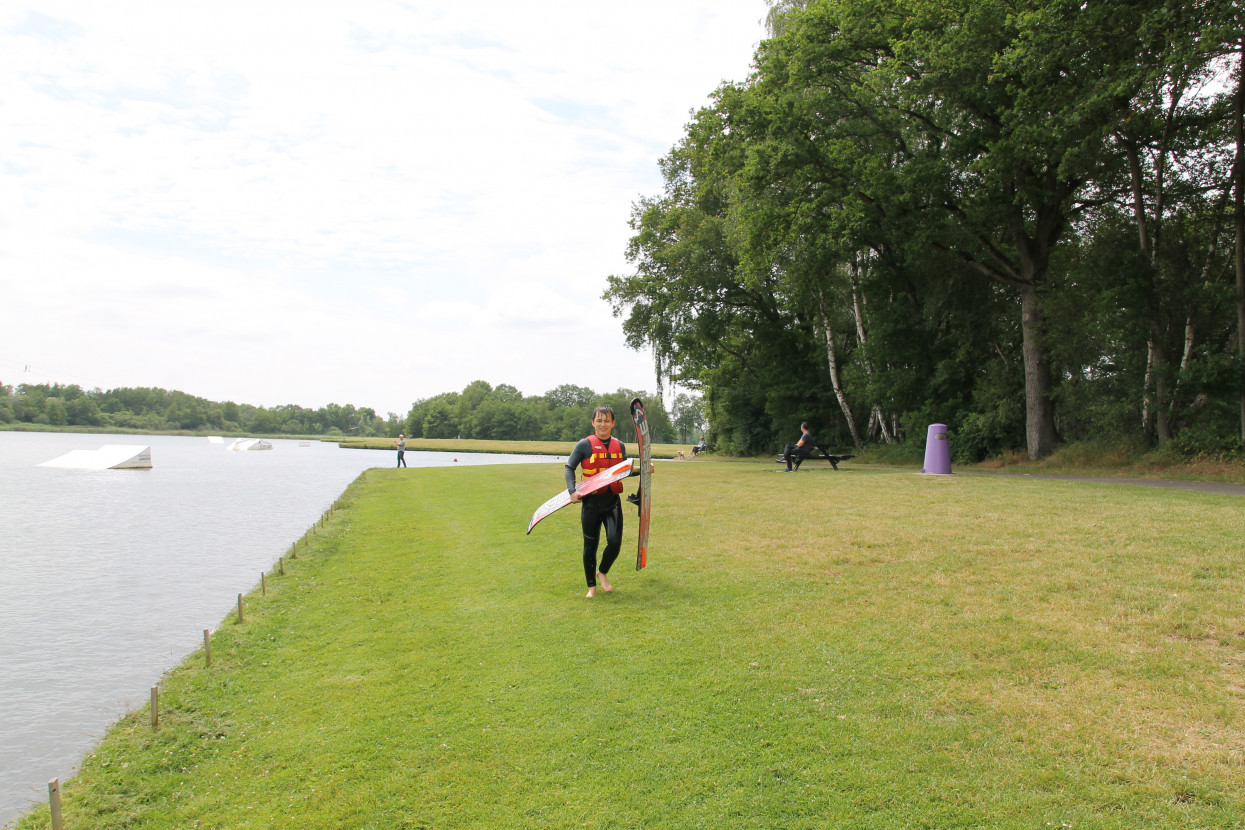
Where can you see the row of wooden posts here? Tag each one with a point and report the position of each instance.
(54, 786)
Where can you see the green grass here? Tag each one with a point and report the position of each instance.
(861, 649)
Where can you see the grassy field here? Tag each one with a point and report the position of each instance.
(860, 649)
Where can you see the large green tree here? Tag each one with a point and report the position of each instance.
(820, 223)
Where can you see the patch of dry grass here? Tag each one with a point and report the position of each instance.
(1122, 460)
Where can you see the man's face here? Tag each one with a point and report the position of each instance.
(603, 425)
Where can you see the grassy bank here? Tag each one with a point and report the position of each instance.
(1118, 459)
(863, 649)
(1122, 460)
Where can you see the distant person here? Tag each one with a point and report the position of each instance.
(401, 450)
(598, 452)
(701, 447)
(800, 449)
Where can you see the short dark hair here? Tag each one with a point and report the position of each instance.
(804, 426)
(607, 409)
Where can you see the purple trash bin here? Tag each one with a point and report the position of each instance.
(937, 451)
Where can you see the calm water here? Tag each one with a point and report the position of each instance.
(108, 578)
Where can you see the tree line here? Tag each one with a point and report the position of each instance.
(479, 411)
(162, 410)
(501, 413)
(1021, 219)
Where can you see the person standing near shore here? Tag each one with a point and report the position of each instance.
(401, 450)
(602, 509)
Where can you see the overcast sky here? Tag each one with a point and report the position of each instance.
(366, 203)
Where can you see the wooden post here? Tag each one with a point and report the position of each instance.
(294, 551)
(207, 647)
(239, 608)
(281, 564)
(155, 707)
(54, 801)
(263, 584)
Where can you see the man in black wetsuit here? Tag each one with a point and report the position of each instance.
(598, 452)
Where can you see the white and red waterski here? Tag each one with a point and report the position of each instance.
(646, 479)
(589, 485)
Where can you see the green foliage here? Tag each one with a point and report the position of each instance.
(503, 414)
(1013, 220)
(160, 410)
(688, 418)
(478, 412)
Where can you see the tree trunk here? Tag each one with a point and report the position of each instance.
(1238, 172)
(875, 415)
(834, 372)
(1158, 373)
(1159, 399)
(1145, 394)
(1186, 358)
(1039, 413)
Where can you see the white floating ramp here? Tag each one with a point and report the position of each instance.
(215, 439)
(250, 444)
(107, 457)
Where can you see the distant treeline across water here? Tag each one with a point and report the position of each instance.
(480, 411)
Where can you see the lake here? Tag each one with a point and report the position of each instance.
(108, 578)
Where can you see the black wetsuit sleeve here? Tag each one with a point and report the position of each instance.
(581, 451)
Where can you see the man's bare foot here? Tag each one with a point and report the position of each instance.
(592, 592)
(605, 583)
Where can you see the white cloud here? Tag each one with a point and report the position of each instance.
(367, 203)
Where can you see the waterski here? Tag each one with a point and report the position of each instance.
(646, 479)
(589, 485)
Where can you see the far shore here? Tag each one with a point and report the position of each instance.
(1086, 459)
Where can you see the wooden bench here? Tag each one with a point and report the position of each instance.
(818, 451)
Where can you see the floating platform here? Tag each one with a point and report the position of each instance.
(107, 457)
(215, 439)
(250, 444)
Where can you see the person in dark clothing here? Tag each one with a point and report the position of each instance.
(800, 448)
(602, 509)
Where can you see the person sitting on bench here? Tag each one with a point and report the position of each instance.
(800, 450)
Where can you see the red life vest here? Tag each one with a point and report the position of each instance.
(603, 458)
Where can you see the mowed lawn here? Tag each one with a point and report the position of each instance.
(857, 649)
